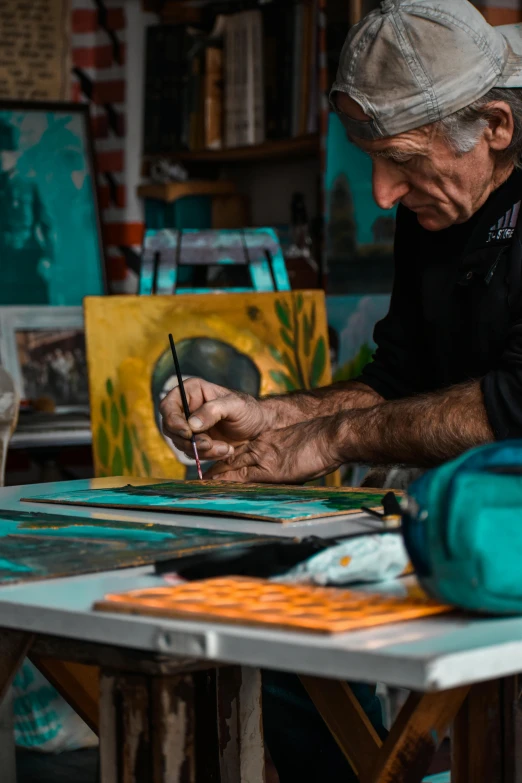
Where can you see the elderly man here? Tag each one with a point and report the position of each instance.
(431, 92)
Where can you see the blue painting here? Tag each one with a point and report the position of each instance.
(45, 546)
(359, 234)
(351, 321)
(266, 503)
(50, 241)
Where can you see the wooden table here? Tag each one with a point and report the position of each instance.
(180, 701)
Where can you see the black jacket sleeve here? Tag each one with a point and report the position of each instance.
(392, 374)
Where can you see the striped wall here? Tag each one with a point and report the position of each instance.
(107, 55)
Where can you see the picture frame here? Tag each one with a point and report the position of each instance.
(43, 349)
(51, 249)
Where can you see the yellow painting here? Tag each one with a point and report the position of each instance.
(259, 343)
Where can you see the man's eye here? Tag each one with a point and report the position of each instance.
(402, 161)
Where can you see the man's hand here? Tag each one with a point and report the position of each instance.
(227, 419)
(292, 455)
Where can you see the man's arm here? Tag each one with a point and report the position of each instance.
(424, 430)
(287, 409)
(421, 431)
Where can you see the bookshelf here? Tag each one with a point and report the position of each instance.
(299, 147)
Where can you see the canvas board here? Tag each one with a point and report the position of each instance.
(50, 233)
(268, 503)
(43, 349)
(48, 546)
(257, 343)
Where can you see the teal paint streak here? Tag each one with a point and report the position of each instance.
(8, 565)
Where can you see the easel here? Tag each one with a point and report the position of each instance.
(167, 251)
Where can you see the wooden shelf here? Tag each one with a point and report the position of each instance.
(300, 147)
(171, 191)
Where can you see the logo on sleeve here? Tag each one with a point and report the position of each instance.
(505, 227)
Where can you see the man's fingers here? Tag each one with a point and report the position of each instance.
(240, 465)
(206, 417)
(207, 448)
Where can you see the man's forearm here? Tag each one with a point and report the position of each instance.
(424, 430)
(287, 409)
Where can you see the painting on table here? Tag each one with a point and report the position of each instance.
(50, 238)
(351, 321)
(267, 503)
(258, 343)
(43, 348)
(45, 546)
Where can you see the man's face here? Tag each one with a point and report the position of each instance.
(422, 171)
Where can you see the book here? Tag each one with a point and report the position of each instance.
(254, 93)
(213, 98)
(230, 87)
(297, 70)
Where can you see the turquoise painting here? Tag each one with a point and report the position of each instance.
(351, 321)
(45, 546)
(359, 234)
(50, 240)
(267, 503)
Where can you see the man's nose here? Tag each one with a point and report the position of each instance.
(389, 183)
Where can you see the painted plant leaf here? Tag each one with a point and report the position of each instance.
(283, 313)
(123, 404)
(290, 366)
(146, 463)
(318, 362)
(127, 449)
(299, 302)
(283, 380)
(307, 334)
(115, 420)
(109, 387)
(286, 338)
(117, 462)
(103, 445)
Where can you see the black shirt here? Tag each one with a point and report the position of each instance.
(455, 312)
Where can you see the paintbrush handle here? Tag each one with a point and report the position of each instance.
(181, 385)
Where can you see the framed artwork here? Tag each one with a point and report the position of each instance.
(50, 237)
(359, 235)
(43, 348)
(351, 321)
(260, 343)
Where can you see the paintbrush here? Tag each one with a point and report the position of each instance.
(185, 403)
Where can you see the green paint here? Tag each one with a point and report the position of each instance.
(318, 362)
(282, 380)
(307, 335)
(127, 448)
(115, 420)
(117, 462)
(109, 387)
(287, 339)
(283, 313)
(299, 302)
(123, 404)
(102, 442)
(146, 463)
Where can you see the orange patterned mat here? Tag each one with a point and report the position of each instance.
(259, 602)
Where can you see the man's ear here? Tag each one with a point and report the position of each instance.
(501, 126)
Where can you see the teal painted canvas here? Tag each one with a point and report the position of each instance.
(359, 234)
(351, 321)
(50, 239)
(45, 546)
(267, 503)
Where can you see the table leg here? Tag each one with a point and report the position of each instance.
(147, 728)
(485, 747)
(78, 684)
(415, 736)
(240, 725)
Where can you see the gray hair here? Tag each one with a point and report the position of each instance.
(464, 128)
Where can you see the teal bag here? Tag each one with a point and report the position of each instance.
(462, 527)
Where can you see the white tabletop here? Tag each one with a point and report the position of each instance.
(432, 654)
